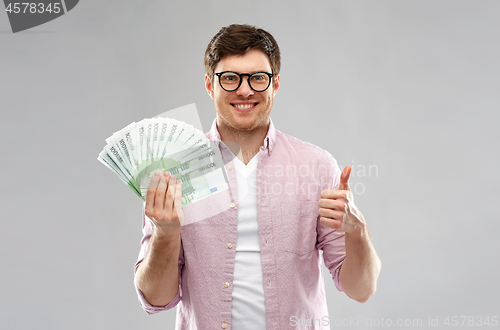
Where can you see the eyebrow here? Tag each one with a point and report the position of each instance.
(270, 71)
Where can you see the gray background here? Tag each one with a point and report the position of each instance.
(410, 88)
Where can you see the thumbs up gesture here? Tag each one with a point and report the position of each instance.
(337, 208)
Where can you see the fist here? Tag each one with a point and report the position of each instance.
(163, 204)
(337, 208)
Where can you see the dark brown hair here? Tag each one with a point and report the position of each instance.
(237, 39)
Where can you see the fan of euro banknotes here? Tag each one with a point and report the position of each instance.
(163, 144)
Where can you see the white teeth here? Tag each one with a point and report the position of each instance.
(243, 106)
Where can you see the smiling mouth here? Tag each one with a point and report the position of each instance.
(245, 106)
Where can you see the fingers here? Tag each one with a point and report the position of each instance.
(334, 224)
(334, 194)
(332, 214)
(151, 193)
(164, 201)
(160, 193)
(344, 178)
(178, 203)
(169, 199)
(336, 204)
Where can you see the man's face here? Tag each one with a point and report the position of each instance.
(243, 109)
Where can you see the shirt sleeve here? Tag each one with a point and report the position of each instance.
(147, 231)
(330, 241)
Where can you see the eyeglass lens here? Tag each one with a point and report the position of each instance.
(258, 81)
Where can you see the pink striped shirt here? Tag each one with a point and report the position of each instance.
(290, 177)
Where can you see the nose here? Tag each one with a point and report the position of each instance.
(244, 89)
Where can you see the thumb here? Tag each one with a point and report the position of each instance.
(344, 178)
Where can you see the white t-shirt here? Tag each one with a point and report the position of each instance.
(248, 310)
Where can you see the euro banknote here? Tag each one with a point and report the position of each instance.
(135, 152)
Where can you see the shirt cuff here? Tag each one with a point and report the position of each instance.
(150, 309)
(336, 278)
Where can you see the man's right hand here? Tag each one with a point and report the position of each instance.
(157, 274)
(163, 205)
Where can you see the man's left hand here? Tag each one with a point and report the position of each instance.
(337, 208)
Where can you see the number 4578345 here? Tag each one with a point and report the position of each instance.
(470, 321)
(33, 8)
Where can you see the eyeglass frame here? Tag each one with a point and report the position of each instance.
(241, 75)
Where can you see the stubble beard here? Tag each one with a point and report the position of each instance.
(231, 124)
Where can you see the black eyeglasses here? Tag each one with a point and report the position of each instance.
(231, 81)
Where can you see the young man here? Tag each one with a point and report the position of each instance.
(256, 264)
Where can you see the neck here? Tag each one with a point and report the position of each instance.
(244, 144)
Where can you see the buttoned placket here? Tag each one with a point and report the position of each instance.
(230, 236)
(265, 238)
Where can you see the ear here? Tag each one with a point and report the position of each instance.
(276, 84)
(208, 86)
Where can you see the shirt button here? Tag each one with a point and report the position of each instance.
(224, 325)
(229, 245)
(232, 205)
(226, 284)
(229, 166)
